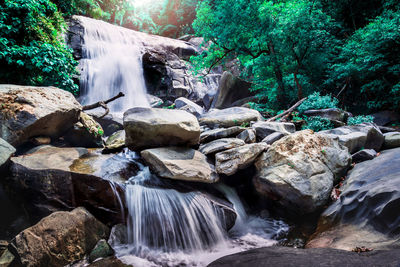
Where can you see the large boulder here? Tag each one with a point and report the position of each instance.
(29, 111)
(230, 90)
(292, 257)
(59, 239)
(6, 151)
(189, 106)
(147, 128)
(220, 145)
(236, 116)
(357, 137)
(333, 114)
(299, 170)
(392, 140)
(180, 163)
(370, 196)
(210, 135)
(230, 161)
(385, 117)
(264, 129)
(53, 179)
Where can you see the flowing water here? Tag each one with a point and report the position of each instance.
(112, 64)
(171, 227)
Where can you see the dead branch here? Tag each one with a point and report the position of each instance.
(287, 112)
(103, 104)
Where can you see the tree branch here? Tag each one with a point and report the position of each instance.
(287, 112)
(103, 104)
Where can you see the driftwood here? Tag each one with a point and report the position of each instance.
(103, 104)
(289, 111)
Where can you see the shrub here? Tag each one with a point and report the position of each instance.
(316, 101)
(359, 119)
(317, 124)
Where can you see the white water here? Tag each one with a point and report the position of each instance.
(112, 64)
(170, 228)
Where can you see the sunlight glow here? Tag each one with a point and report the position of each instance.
(146, 3)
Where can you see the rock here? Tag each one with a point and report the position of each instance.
(154, 101)
(385, 117)
(230, 161)
(392, 140)
(6, 151)
(118, 235)
(191, 107)
(115, 142)
(109, 262)
(363, 155)
(299, 170)
(29, 111)
(85, 133)
(283, 256)
(59, 239)
(272, 138)
(387, 129)
(146, 128)
(370, 196)
(6, 258)
(40, 140)
(263, 128)
(357, 137)
(111, 123)
(180, 163)
(333, 114)
(211, 135)
(101, 250)
(230, 90)
(236, 116)
(248, 136)
(73, 177)
(220, 145)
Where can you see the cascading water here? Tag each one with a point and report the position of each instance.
(112, 64)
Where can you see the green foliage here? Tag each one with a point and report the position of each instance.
(316, 101)
(32, 46)
(359, 119)
(317, 124)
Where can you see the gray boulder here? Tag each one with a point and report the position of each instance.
(6, 151)
(147, 127)
(333, 114)
(299, 170)
(154, 101)
(189, 106)
(220, 145)
(357, 137)
(180, 163)
(211, 135)
(230, 161)
(363, 155)
(392, 140)
(236, 116)
(272, 138)
(248, 136)
(59, 239)
(29, 111)
(110, 123)
(263, 128)
(385, 117)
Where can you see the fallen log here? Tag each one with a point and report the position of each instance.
(103, 104)
(287, 112)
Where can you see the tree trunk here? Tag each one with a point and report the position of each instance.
(299, 87)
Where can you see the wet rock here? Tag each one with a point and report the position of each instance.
(230, 90)
(264, 129)
(85, 133)
(357, 137)
(189, 106)
(248, 136)
(109, 262)
(385, 117)
(392, 140)
(210, 135)
(180, 164)
(154, 101)
(283, 256)
(230, 161)
(299, 170)
(220, 145)
(6, 151)
(72, 177)
(34, 111)
(59, 238)
(272, 138)
(363, 155)
(236, 116)
(118, 235)
(370, 196)
(146, 128)
(115, 142)
(101, 250)
(333, 114)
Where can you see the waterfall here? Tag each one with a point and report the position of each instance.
(112, 64)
